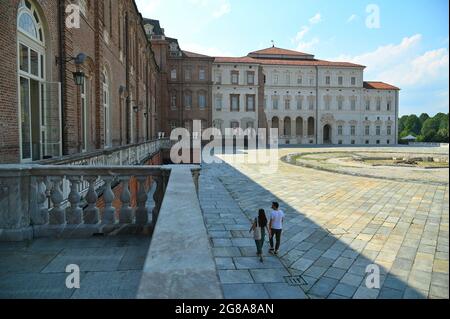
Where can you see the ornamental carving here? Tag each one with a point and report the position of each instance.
(327, 118)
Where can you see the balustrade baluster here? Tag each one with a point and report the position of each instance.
(74, 214)
(91, 213)
(142, 211)
(109, 212)
(126, 212)
(41, 216)
(57, 214)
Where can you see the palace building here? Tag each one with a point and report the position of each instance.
(310, 101)
(118, 80)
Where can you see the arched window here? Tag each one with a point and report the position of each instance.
(29, 22)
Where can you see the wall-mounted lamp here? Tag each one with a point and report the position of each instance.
(145, 114)
(78, 76)
(135, 109)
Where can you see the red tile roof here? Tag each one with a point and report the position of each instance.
(195, 55)
(372, 85)
(313, 63)
(278, 51)
(308, 63)
(244, 59)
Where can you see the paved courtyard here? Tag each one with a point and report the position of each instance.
(336, 225)
(110, 267)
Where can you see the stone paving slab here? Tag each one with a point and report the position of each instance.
(109, 285)
(110, 267)
(88, 259)
(336, 225)
(245, 291)
(35, 286)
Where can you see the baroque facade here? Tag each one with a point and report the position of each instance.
(309, 101)
(187, 79)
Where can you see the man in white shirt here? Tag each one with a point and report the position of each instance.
(276, 227)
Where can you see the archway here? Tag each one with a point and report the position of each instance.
(287, 126)
(327, 134)
(299, 126)
(276, 123)
(311, 126)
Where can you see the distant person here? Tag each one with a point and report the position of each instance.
(276, 227)
(259, 228)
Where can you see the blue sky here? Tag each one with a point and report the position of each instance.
(406, 46)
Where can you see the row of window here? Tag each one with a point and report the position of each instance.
(340, 81)
(235, 77)
(353, 142)
(201, 100)
(367, 130)
(235, 101)
(188, 74)
(301, 104)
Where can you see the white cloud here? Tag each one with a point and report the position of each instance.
(214, 9)
(304, 30)
(148, 8)
(298, 39)
(307, 45)
(404, 64)
(387, 56)
(422, 75)
(422, 70)
(352, 18)
(316, 19)
(224, 8)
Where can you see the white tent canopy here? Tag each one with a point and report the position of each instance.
(409, 138)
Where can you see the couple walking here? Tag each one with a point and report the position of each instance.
(274, 228)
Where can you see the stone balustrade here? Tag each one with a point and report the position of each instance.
(133, 154)
(33, 204)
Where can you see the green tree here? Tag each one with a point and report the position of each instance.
(430, 128)
(423, 117)
(442, 135)
(401, 123)
(413, 125)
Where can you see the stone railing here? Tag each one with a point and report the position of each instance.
(180, 262)
(33, 204)
(425, 144)
(133, 154)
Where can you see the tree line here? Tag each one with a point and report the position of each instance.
(424, 128)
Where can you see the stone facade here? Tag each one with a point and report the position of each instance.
(235, 94)
(187, 79)
(311, 101)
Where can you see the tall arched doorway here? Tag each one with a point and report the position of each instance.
(299, 126)
(40, 130)
(327, 134)
(311, 127)
(276, 124)
(287, 126)
(106, 109)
